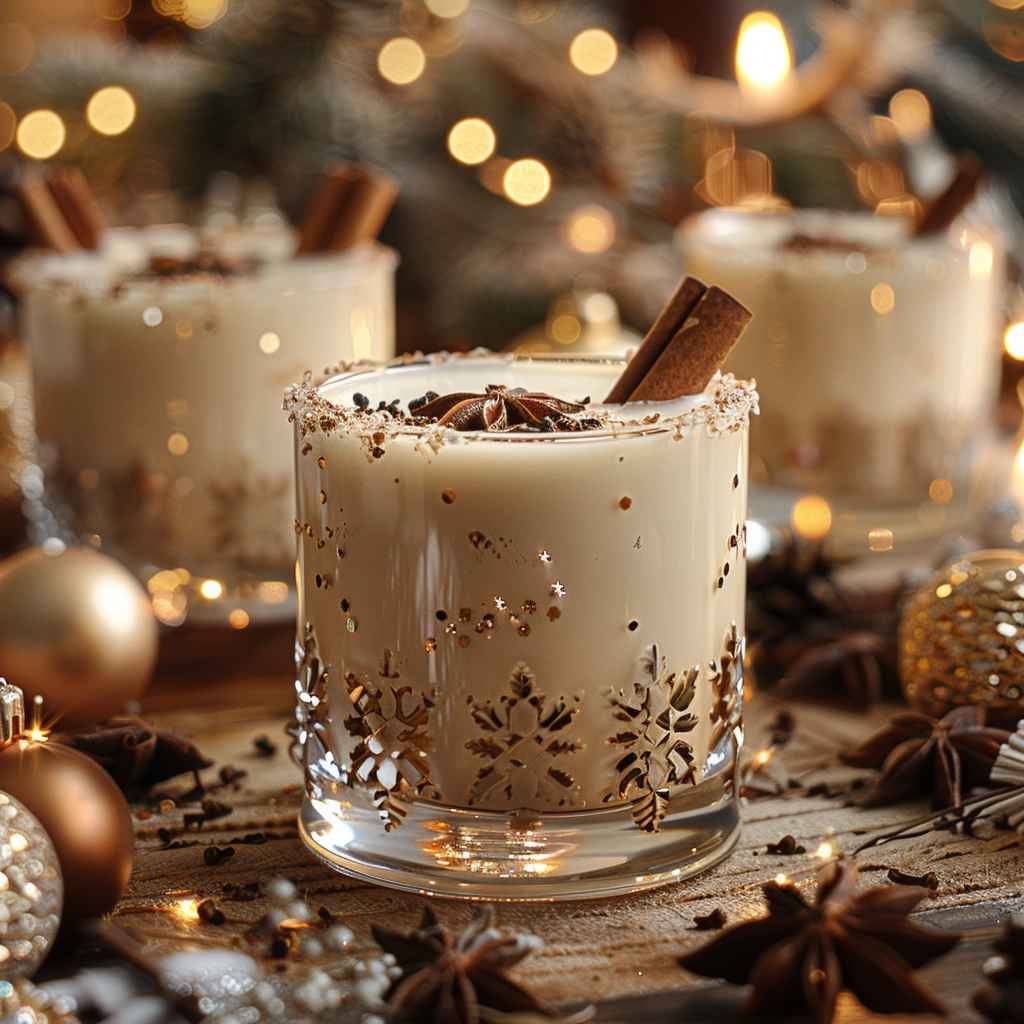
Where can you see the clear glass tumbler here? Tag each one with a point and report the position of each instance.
(878, 357)
(520, 655)
(152, 381)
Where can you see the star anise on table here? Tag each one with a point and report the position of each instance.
(136, 754)
(1001, 998)
(501, 408)
(447, 977)
(802, 955)
(808, 634)
(917, 755)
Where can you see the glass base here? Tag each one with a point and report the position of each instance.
(467, 854)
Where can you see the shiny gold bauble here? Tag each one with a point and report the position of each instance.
(77, 628)
(85, 816)
(962, 637)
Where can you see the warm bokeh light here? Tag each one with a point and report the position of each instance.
(733, 176)
(526, 182)
(593, 51)
(906, 205)
(811, 516)
(114, 10)
(911, 113)
(471, 140)
(940, 490)
(211, 589)
(202, 13)
(111, 110)
(590, 228)
(981, 259)
(1013, 340)
(763, 59)
(273, 591)
(564, 328)
(401, 60)
(177, 443)
(825, 851)
(269, 343)
(8, 125)
(883, 298)
(41, 134)
(880, 538)
(1006, 37)
(238, 618)
(447, 8)
(186, 910)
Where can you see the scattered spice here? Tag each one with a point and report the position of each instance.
(787, 846)
(1001, 998)
(215, 855)
(781, 728)
(450, 977)
(241, 892)
(801, 955)
(135, 754)
(210, 913)
(917, 755)
(710, 922)
(229, 774)
(927, 881)
(265, 747)
(214, 809)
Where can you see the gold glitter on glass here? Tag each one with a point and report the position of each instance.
(554, 613)
(524, 629)
(726, 674)
(321, 462)
(499, 603)
(654, 756)
(523, 742)
(625, 502)
(393, 741)
(323, 497)
(309, 725)
(465, 614)
(448, 496)
(529, 607)
(464, 641)
(351, 625)
(544, 556)
(430, 645)
(558, 589)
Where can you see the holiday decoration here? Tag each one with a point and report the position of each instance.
(31, 890)
(75, 801)
(916, 755)
(1001, 998)
(25, 1003)
(1009, 771)
(580, 322)
(961, 637)
(802, 955)
(76, 629)
(453, 977)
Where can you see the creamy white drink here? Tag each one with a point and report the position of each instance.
(877, 355)
(520, 652)
(158, 363)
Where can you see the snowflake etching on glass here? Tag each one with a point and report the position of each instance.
(654, 756)
(523, 742)
(726, 675)
(389, 724)
(308, 728)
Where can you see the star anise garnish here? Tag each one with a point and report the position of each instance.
(137, 755)
(447, 978)
(801, 955)
(1001, 998)
(501, 408)
(917, 755)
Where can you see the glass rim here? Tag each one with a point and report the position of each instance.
(735, 399)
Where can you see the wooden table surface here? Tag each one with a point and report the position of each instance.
(620, 953)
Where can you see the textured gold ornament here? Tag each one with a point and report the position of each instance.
(962, 637)
(77, 629)
(31, 890)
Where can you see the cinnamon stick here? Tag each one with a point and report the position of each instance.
(348, 208)
(75, 199)
(944, 209)
(322, 209)
(365, 206)
(697, 350)
(664, 328)
(46, 223)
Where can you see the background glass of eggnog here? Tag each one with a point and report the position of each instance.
(520, 654)
(156, 386)
(877, 357)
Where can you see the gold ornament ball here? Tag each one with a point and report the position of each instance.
(961, 637)
(85, 816)
(77, 628)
